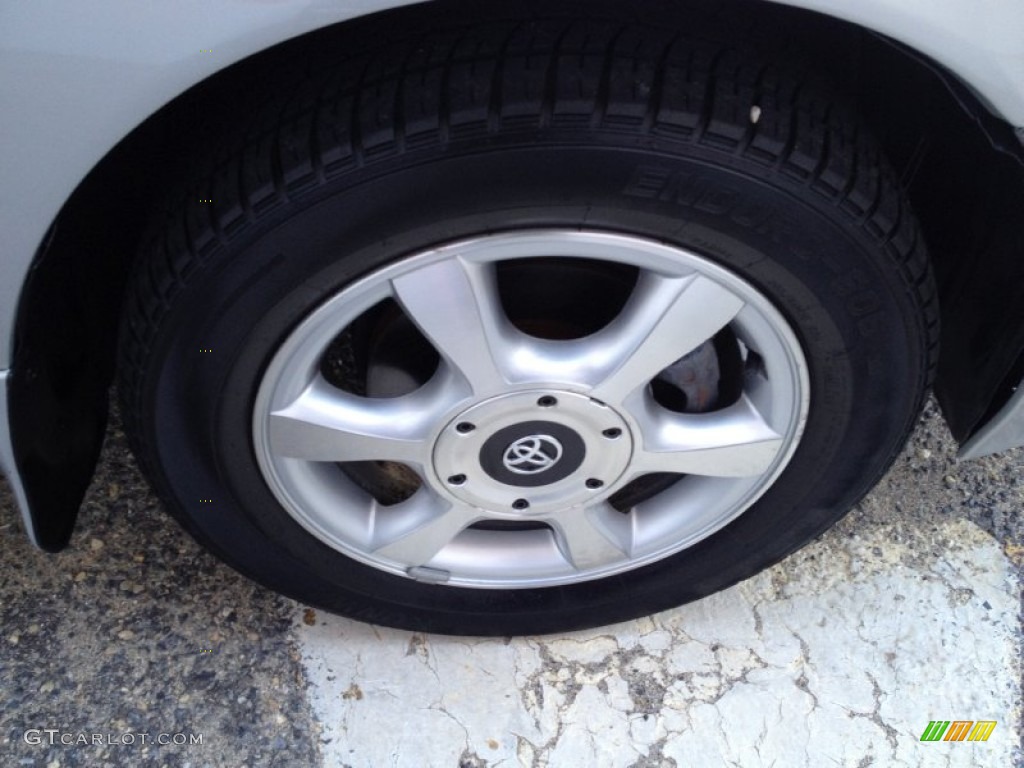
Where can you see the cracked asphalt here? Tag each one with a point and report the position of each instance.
(906, 612)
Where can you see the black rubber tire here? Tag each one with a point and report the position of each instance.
(467, 129)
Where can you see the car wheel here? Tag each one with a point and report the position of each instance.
(527, 328)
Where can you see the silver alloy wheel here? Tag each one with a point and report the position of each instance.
(580, 415)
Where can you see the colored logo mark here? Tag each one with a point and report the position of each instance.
(958, 730)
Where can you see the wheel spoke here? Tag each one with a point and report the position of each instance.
(424, 525)
(327, 424)
(733, 442)
(666, 318)
(592, 536)
(456, 306)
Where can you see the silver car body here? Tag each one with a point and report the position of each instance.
(77, 77)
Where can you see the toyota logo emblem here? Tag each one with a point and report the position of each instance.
(532, 454)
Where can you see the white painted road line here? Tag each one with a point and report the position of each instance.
(840, 656)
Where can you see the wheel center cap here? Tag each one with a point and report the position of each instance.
(530, 453)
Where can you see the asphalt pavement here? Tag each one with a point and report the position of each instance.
(135, 648)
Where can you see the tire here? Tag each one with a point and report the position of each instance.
(522, 328)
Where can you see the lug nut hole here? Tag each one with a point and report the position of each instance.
(612, 433)
(593, 483)
(547, 401)
(464, 427)
(456, 479)
(520, 504)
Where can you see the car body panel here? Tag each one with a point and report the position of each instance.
(981, 42)
(8, 465)
(1003, 431)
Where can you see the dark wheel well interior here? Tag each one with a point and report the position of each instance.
(963, 170)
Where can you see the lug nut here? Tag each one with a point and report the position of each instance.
(464, 427)
(520, 504)
(547, 401)
(593, 483)
(612, 433)
(457, 479)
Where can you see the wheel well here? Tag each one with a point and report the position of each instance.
(962, 168)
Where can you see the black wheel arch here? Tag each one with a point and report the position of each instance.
(963, 169)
